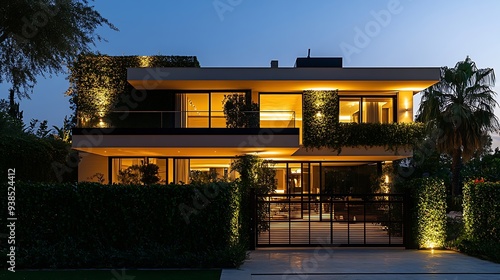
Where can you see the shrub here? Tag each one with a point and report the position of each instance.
(92, 225)
(240, 112)
(482, 211)
(428, 208)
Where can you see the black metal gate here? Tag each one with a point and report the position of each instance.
(323, 219)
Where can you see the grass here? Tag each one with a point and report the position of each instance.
(117, 274)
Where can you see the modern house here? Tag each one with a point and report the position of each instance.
(328, 128)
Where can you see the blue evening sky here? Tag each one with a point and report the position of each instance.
(253, 32)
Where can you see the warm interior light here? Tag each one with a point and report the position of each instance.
(319, 115)
(345, 118)
(276, 116)
(321, 89)
(298, 170)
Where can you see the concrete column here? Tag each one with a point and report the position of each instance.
(405, 106)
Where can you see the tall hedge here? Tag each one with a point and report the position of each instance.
(92, 225)
(427, 212)
(481, 203)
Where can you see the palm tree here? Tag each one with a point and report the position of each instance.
(458, 111)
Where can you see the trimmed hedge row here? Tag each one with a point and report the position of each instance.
(390, 136)
(92, 225)
(386, 135)
(481, 204)
(428, 212)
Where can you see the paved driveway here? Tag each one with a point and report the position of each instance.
(323, 263)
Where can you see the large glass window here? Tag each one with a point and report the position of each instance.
(366, 109)
(162, 168)
(281, 186)
(210, 168)
(280, 110)
(124, 171)
(201, 110)
(378, 110)
(349, 110)
(217, 118)
(197, 109)
(123, 165)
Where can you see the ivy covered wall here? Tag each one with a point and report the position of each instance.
(320, 117)
(98, 82)
(321, 127)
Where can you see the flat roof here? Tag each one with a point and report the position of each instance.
(284, 79)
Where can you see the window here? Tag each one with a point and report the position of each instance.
(377, 110)
(349, 110)
(366, 110)
(196, 107)
(210, 168)
(201, 109)
(162, 168)
(280, 110)
(217, 118)
(122, 164)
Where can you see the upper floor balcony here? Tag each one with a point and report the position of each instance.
(190, 119)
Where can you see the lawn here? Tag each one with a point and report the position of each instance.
(112, 275)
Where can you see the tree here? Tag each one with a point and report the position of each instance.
(258, 174)
(460, 111)
(240, 111)
(38, 37)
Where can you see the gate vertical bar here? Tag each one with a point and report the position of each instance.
(331, 219)
(364, 222)
(348, 221)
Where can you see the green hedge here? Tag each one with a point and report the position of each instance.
(91, 225)
(481, 202)
(390, 136)
(428, 212)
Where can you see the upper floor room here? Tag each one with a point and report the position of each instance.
(267, 97)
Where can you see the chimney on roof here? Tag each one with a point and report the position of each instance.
(318, 62)
(274, 64)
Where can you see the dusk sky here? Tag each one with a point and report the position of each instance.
(254, 32)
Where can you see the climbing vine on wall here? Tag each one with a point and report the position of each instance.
(320, 117)
(322, 129)
(98, 81)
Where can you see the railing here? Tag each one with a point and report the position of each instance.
(183, 119)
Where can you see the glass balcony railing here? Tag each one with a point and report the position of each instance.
(188, 119)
